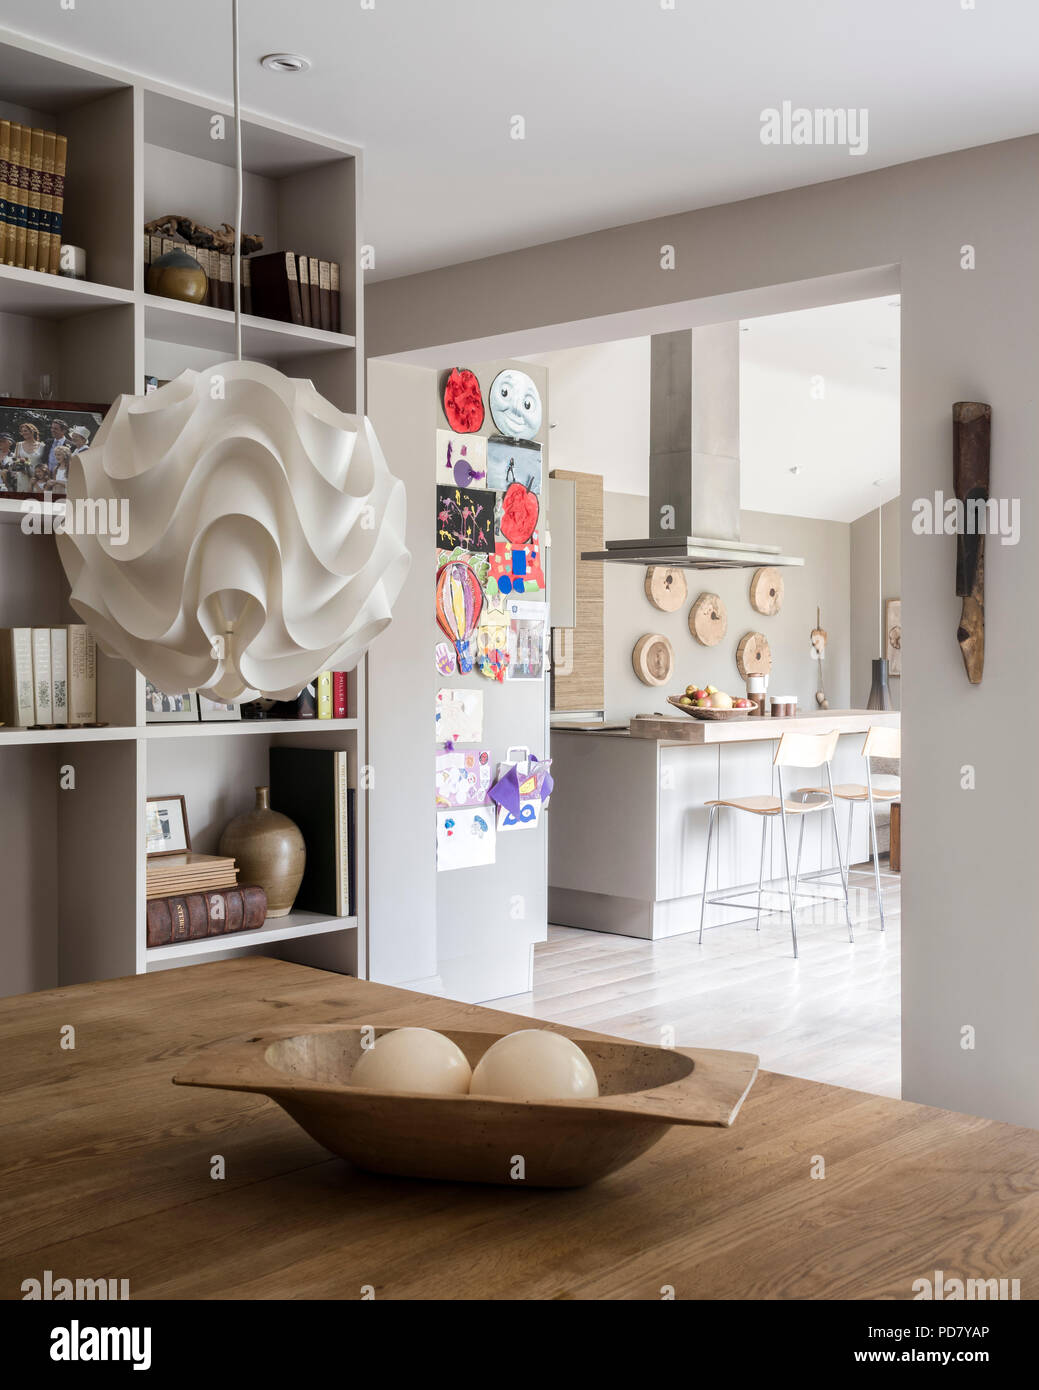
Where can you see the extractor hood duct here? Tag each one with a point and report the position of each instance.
(694, 458)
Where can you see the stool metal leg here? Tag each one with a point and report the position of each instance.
(840, 855)
(706, 868)
(876, 851)
(761, 869)
(786, 861)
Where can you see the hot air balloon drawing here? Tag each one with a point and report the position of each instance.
(459, 604)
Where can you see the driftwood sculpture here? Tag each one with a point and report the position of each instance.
(213, 239)
(971, 433)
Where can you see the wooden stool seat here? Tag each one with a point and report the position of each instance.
(770, 805)
(885, 788)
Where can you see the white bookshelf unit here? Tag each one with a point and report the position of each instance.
(72, 907)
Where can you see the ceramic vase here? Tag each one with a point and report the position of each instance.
(177, 275)
(269, 850)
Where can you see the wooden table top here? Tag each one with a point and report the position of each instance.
(106, 1173)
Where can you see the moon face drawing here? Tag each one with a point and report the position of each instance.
(515, 404)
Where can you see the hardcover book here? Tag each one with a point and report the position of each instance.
(61, 146)
(333, 271)
(309, 785)
(60, 674)
(43, 694)
(275, 287)
(303, 264)
(193, 916)
(17, 706)
(315, 292)
(82, 675)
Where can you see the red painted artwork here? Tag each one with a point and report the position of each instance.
(463, 401)
(519, 514)
(516, 570)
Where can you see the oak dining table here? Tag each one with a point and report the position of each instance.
(111, 1171)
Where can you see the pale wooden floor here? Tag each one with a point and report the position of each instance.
(832, 1015)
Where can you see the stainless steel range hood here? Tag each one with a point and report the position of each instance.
(694, 459)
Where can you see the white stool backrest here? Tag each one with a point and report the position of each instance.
(805, 750)
(882, 742)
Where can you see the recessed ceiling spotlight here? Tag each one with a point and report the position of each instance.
(285, 62)
(796, 469)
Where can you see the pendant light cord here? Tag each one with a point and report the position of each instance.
(239, 179)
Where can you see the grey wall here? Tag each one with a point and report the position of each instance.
(865, 619)
(402, 940)
(970, 952)
(824, 581)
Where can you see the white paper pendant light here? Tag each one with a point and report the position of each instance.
(265, 532)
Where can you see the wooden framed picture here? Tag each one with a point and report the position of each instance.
(893, 636)
(213, 711)
(161, 708)
(37, 440)
(166, 826)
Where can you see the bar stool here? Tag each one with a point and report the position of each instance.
(881, 742)
(795, 749)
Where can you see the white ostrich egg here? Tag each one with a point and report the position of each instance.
(413, 1059)
(534, 1064)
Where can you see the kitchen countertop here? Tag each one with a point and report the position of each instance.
(684, 728)
(107, 1171)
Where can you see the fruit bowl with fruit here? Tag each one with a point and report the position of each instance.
(707, 702)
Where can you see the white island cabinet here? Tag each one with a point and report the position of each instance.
(628, 824)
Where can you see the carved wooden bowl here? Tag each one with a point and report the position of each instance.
(711, 713)
(566, 1143)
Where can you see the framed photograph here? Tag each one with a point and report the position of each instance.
(166, 826)
(893, 635)
(161, 708)
(212, 711)
(37, 440)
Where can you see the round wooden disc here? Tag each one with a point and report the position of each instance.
(708, 620)
(653, 659)
(766, 591)
(754, 656)
(665, 587)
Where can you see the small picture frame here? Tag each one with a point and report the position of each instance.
(162, 708)
(166, 826)
(213, 711)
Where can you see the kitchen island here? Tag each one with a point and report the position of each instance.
(628, 825)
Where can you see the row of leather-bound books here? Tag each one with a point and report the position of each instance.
(32, 196)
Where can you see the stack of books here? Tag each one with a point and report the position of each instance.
(293, 288)
(170, 874)
(192, 896)
(48, 677)
(32, 196)
(218, 265)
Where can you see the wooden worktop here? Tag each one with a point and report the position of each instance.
(107, 1172)
(684, 728)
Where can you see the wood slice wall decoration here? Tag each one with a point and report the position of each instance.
(708, 620)
(766, 591)
(653, 659)
(754, 656)
(665, 587)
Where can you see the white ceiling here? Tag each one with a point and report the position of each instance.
(819, 391)
(632, 110)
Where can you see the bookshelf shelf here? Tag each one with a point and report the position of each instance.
(200, 325)
(16, 738)
(230, 728)
(73, 907)
(53, 296)
(294, 927)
